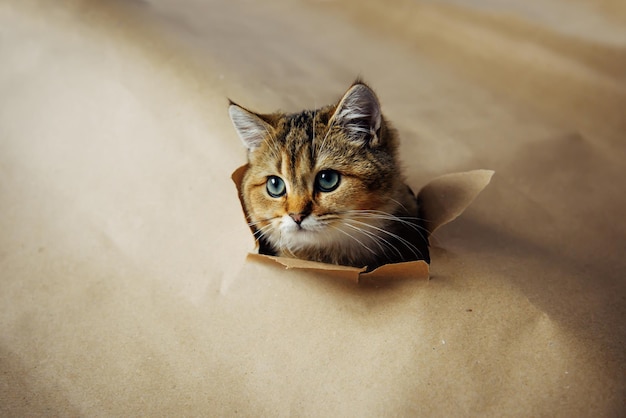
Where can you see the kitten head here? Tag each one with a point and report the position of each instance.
(321, 183)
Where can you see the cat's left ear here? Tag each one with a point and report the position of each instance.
(358, 112)
(251, 128)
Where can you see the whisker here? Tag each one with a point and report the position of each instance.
(367, 234)
(407, 221)
(400, 204)
(272, 143)
(261, 233)
(376, 239)
(373, 211)
(262, 220)
(354, 238)
(313, 134)
(332, 123)
(404, 220)
(264, 227)
(406, 243)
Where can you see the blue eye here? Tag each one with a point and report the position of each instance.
(275, 186)
(327, 180)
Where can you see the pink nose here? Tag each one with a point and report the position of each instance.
(298, 217)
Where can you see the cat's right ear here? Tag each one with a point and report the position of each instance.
(250, 127)
(358, 112)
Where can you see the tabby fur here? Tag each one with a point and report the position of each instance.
(368, 218)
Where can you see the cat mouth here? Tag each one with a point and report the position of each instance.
(299, 229)
(302, 230)
(307, 229)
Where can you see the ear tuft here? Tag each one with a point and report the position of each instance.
(251, 128)
(359, 113)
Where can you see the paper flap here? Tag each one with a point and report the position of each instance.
(399, 271)
(446, 197)
(345, 272)
(237, 176)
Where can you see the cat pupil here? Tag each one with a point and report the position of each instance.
(275, 186)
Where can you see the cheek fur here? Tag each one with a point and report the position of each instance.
(260, 206)
(352, 195)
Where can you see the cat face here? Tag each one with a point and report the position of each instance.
(321, 184)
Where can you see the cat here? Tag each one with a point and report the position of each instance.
(326, 185)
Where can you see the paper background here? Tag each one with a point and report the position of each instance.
(125, 288)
